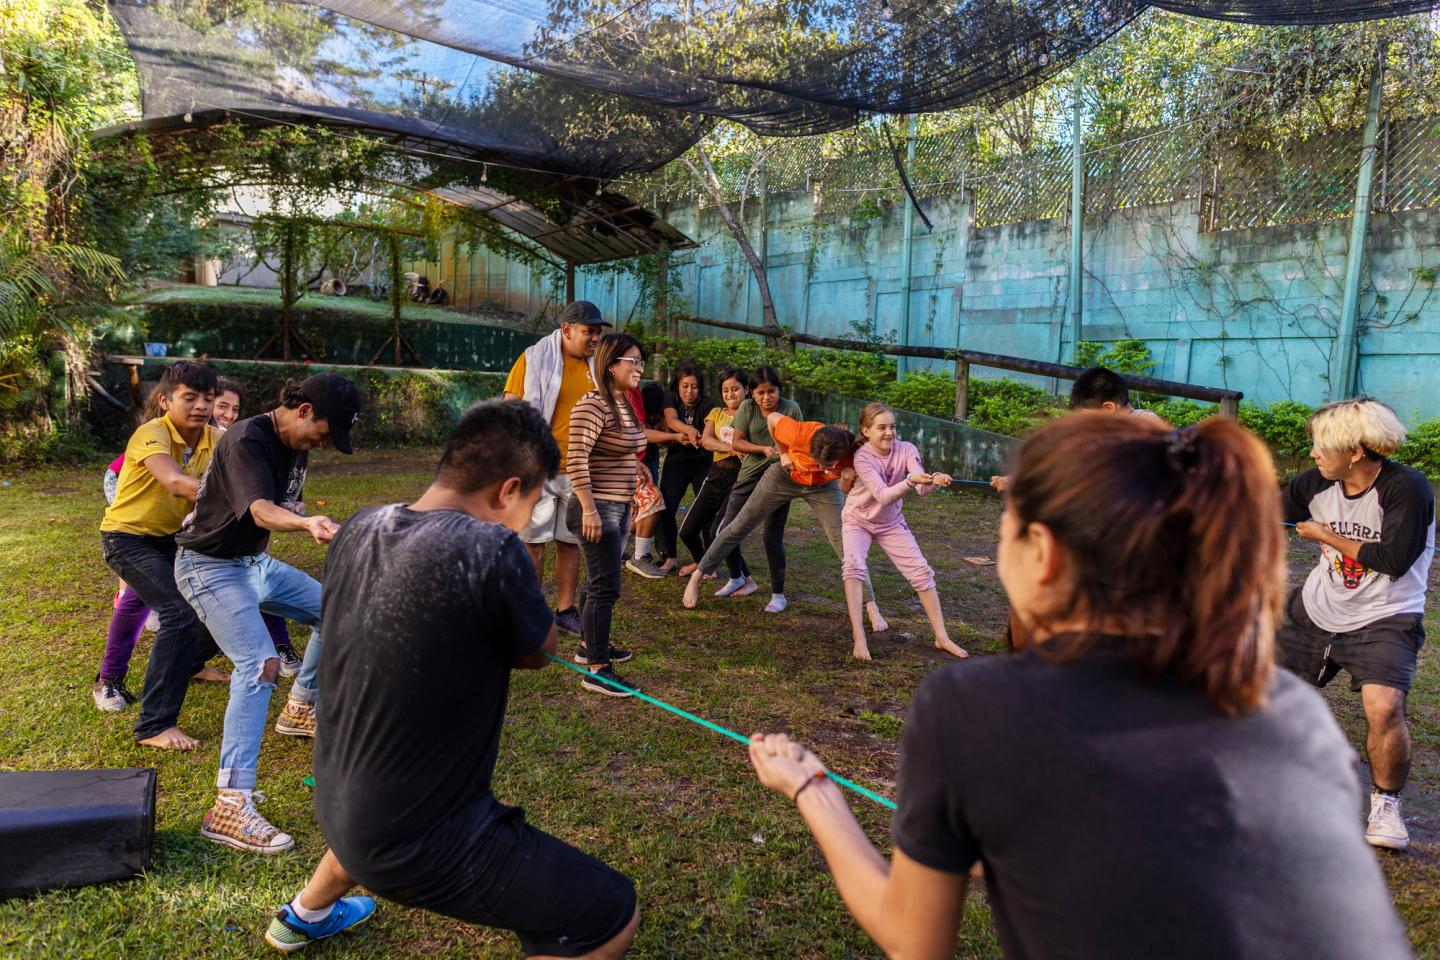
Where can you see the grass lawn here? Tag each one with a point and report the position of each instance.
(361, 304)
(723, 868)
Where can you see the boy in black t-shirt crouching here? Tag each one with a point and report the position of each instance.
(404, 754)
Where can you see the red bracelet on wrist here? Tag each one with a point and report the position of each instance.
(815, 778)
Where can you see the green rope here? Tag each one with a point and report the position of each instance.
(739, 738)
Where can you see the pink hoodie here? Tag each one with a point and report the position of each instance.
(880, 483)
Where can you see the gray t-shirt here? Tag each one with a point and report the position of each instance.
(754, 424)
(1123, 818)
(1395, 519)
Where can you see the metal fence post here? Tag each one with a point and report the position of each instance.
(1345, 357)
(907, 248)
(1077, 221)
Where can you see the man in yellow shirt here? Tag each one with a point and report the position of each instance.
(551, 375)
(164, 461)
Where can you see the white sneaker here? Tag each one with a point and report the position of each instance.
(1386, 827)
(152, 622)
(730, 586)
(777, 603)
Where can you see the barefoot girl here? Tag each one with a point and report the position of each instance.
(704, 515)
(751, 439)
(886, 469)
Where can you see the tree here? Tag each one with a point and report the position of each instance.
(52, 283)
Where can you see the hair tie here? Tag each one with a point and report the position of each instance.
(1180, 450)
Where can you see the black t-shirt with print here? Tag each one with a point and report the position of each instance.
(693, 416)
(250, 463)
(1122, 818)
(424, 614)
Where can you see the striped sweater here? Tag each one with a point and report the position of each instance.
(602, 452)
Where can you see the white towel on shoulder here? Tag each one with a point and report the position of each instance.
(544, 371)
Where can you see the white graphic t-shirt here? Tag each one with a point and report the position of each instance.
(1395, 519)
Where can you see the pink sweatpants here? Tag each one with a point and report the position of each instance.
(899, 545)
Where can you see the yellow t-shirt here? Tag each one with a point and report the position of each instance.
(722, 418)
(575, 382)
(142, 505)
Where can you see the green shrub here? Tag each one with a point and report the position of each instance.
(1422, 449)
(846, 372)
(1010, 407)
(924, 391)
(1181, 413)
(1123, 356)
(1284, 426)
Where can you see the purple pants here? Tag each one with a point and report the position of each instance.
(128, 621)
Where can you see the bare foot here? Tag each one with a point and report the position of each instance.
(668, 565)
(692, 591)
(211, 675)
(172, 739)
(861, 651)
(950, 647)
(877, 622)
(688, 569)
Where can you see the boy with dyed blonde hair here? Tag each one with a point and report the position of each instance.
(1360, 609)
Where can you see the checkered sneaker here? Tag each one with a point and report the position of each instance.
(235, 822)
(297, 719)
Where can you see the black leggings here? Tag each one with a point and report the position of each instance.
(773, 539)
(682, 469)
(703, 517)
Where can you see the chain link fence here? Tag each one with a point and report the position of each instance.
(1236, 188)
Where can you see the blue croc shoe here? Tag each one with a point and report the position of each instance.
(289, 933)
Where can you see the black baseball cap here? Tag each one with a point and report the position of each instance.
(583, 311)
(337, 402)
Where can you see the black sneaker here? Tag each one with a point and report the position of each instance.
(568, 620)
(616, 655)
(289, 661)
(596, 682)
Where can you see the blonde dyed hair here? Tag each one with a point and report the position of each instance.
(1360, 422)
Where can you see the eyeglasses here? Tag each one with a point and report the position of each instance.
(639, 364)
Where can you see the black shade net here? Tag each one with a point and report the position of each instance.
(607, 87)
(278, 61)
(1278, 13)
(603, 88)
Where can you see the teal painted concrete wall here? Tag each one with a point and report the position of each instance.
(1254, 310)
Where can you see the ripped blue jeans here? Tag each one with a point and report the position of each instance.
(228, 595)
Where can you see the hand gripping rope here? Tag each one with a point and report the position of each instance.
(847, 784)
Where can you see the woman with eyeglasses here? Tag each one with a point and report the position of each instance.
(605, 439)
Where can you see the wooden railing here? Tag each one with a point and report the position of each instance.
(1229, 400)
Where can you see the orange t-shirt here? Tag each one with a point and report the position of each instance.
(796, 435)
